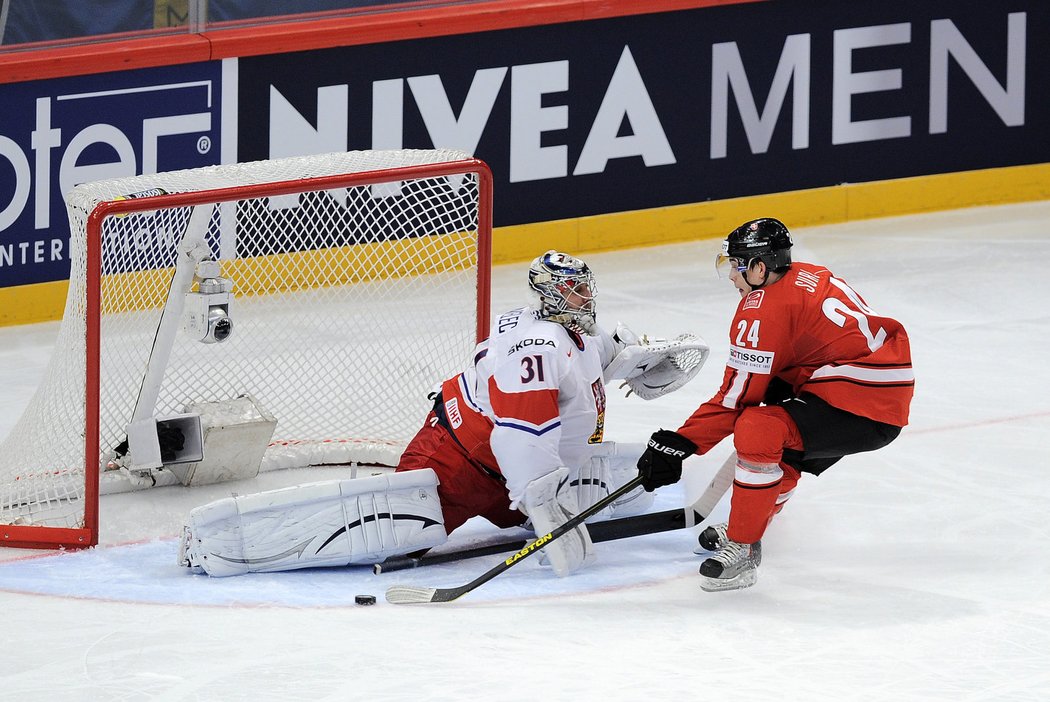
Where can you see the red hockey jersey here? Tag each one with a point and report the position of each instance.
(815, 332)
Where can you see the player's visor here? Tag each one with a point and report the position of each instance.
(725, 265)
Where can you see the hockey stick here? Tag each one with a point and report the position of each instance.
(406, 594)
(703, 506)
(611, 530)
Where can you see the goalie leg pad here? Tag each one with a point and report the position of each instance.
(329, 523)
(612, 465)
(550, 503)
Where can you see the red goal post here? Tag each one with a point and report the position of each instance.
(355, 283)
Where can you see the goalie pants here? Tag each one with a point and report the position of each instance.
(466, 488)
(777, 443)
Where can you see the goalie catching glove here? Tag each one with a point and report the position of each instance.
(652, 367)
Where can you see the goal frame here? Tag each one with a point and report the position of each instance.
(52, 537)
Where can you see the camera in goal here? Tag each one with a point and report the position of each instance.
(233, 319)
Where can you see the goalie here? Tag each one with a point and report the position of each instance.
(516, 438)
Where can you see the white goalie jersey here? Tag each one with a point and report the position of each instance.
(535, 391)
(540, 389)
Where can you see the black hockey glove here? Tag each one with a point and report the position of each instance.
(661, 462)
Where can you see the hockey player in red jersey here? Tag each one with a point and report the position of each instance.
(814, 374)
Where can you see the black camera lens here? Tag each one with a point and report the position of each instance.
(223, 328)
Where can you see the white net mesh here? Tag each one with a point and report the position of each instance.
(348, 304)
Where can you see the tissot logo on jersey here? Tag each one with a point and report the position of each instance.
(526, 343)
(750, 360)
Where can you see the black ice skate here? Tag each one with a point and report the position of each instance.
(732, 568)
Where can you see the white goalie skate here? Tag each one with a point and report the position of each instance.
(187, 557)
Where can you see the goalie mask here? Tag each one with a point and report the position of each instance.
(565, 291)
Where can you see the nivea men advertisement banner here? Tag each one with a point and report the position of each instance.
(645, 111)
(58, 133)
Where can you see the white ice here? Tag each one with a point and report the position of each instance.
(918, 572)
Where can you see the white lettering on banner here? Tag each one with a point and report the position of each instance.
(540, 94)
(444, 127)
(846, 84)
(29, 252)
(626, 97)
(752, 361)
(529, 120)
(36, 179)
(727, 69)
(462, 133)
(23, 179)
(69, 173)
(43, 140)
(1007, 102)
(291, 134)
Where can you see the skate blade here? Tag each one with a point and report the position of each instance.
(185, 559)
(737, 582)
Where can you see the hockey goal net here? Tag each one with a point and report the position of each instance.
(357, 281)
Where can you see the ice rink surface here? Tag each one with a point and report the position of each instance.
(918, 572)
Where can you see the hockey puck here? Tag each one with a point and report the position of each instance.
(365, 599)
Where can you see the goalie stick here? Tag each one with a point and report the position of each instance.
(691, 516)
(610, 530)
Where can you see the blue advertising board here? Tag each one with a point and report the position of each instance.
(58, 133)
